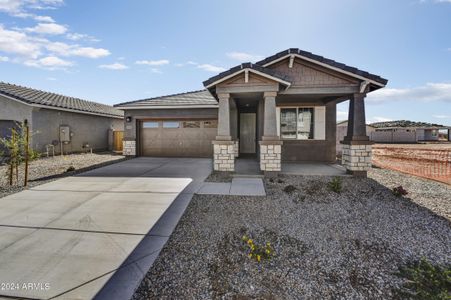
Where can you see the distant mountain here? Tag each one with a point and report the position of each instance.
(404, 123)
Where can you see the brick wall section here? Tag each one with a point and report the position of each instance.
(129, 148)
(224, 156)
(356, 157)
(270, 158)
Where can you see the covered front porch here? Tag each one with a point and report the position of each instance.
(282, 111)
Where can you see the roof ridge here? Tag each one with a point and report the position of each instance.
(159, 97)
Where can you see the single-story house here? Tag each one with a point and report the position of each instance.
(282, 108)
(342, 129)
(67, 123)
(404, 131)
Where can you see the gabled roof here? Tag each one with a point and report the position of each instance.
(195, 99)
(35, 97)
(322, 60)
(243, 67)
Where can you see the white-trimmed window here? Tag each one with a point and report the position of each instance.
(302, 123)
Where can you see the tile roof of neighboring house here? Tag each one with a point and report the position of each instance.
(236, 69)
(37, 97)
(195, 98)
(404, 123)
(323, 60)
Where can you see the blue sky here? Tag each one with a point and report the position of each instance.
(115, 51)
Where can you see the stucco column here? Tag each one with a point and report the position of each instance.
(224, 118)
(356, 156)
(356, 119)
(270, 117)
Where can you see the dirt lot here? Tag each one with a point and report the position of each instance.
(431, 161)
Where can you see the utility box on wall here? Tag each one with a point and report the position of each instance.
(64, 134)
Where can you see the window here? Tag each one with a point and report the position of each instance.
(211, 124)
(151, 124)
(191, 124)
(296, 123)
(171, 124)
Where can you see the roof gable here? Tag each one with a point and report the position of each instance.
(326, 62)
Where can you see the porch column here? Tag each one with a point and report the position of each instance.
(356, 155)
(270, 145)
(449, 134)
(223, 147)
(270, 117)
(224, 117)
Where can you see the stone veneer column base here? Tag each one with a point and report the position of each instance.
(271, 156)
(129, 148)
(224, 155)
(356, 158)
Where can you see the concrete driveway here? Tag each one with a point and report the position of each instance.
(95, 234)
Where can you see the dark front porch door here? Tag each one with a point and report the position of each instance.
(248, 123)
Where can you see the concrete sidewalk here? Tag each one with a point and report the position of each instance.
(94, 235)
(238, 186)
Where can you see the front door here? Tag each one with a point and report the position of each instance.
(247, 132)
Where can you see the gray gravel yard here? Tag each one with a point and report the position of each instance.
(326, 245)
(45, 169)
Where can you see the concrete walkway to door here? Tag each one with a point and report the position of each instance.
(96, 234)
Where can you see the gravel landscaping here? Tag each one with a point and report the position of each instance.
(46, 169)
(326, 245)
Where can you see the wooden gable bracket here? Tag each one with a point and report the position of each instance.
(290, 63)
(246, 76)
(363, 86)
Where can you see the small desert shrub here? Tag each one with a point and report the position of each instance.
(425, 281)
(399, 191)
(258, 252)
(289, 189)
(280, 181)
(70, 169)
(335, 185)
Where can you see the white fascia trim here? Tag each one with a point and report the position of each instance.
(59, 108)
(167, 107)
(326, 66)
(249, 70)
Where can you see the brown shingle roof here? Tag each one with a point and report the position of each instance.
(33, 96)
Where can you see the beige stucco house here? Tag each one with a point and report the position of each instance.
(282, 108)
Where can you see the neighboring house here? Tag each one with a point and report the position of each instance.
(59, 120)
(282, 108)
(342, 129)
(403, 131)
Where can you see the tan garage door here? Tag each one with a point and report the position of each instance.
(177, 138)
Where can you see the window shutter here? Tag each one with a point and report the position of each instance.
(320, 123)
(278, 120)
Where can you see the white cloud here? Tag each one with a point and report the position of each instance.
(18, 43)
(48, 28)
(4, 58)
(425, 93)
(160, 62)
(51, 79)
(20, 6)
(244, 57)
(49, 63)
(115, 66)
(43, 19)
(155, 70)
(90, 52)
(211, 68)
(81, 37)
(189, 62)
(442, 116)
